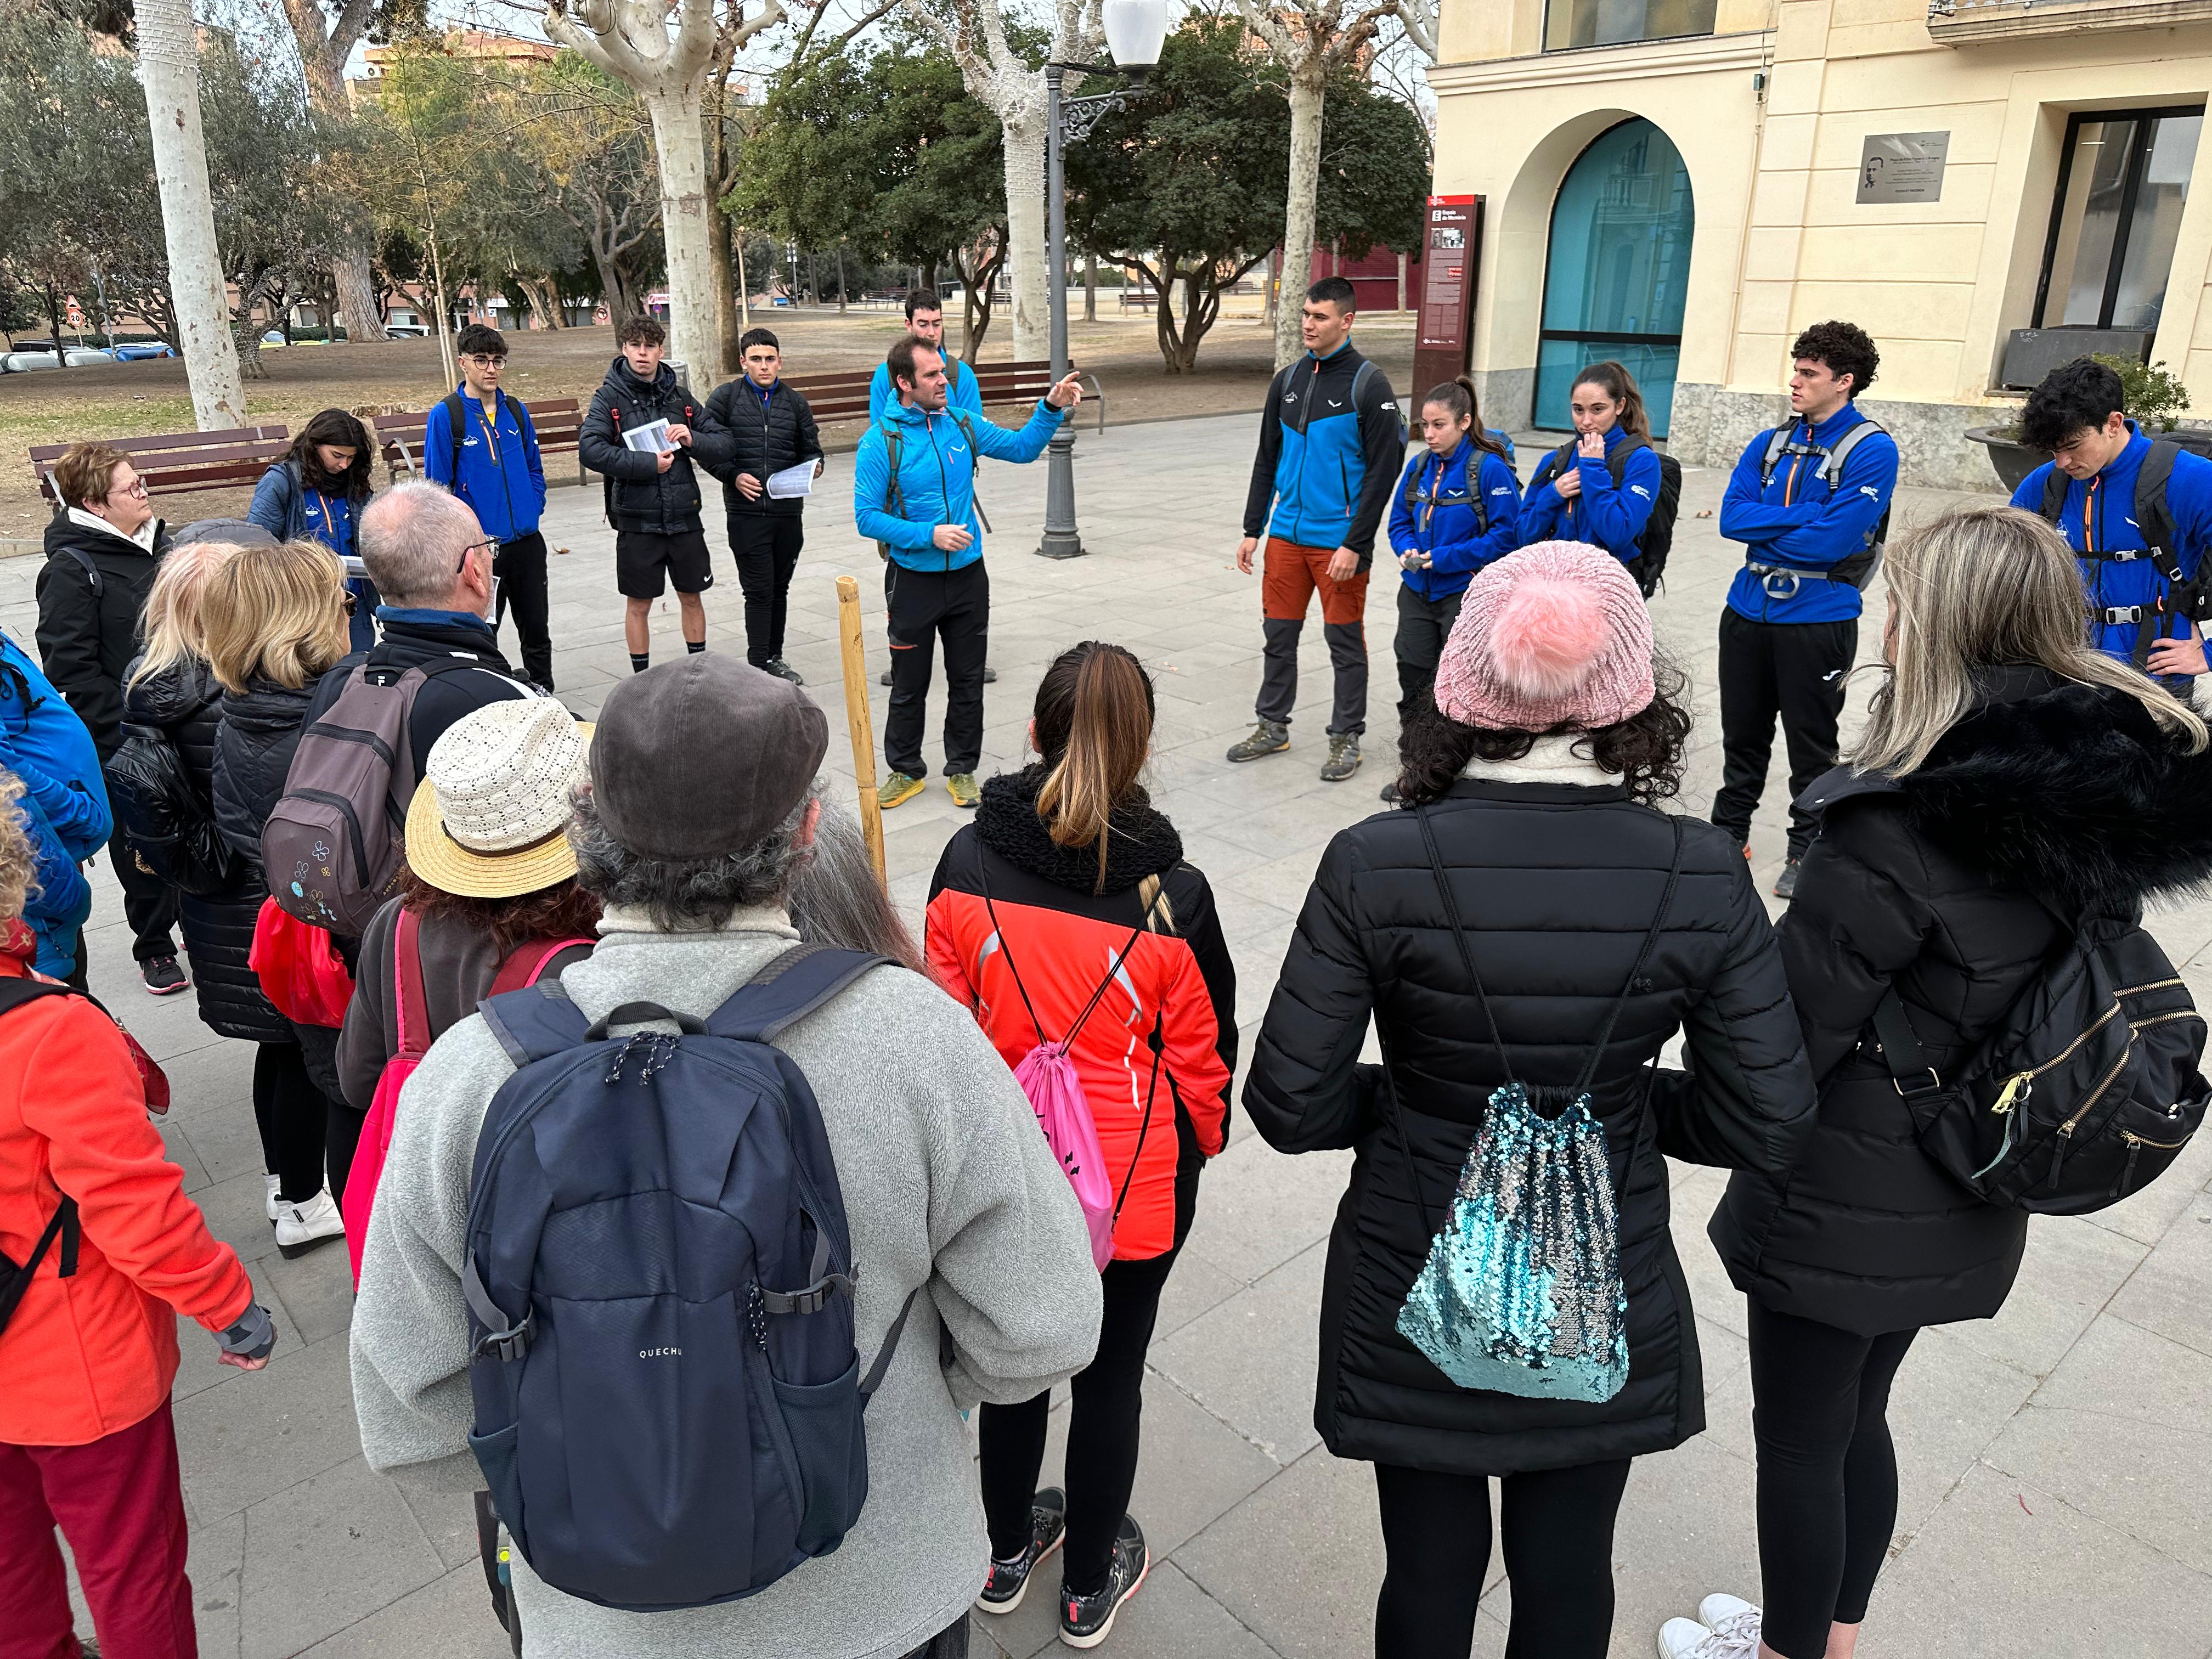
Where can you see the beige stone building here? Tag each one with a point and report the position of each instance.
(1684, 184)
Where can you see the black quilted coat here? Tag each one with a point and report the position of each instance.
(254, 745)
(2049, 788)
(1557, 884)
(184, 703)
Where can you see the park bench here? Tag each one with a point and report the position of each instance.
(179, 462)
(558, 421)
(844, 396)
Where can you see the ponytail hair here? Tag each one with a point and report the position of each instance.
(1617, 383)
(1457, 398)
(1094, 727)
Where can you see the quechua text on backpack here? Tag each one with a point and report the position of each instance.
(2086, 1089)
(660, 1286)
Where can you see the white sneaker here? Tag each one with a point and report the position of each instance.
(300, 1227)
(275, 1184)
(1686, 1638)
(1732, 1619)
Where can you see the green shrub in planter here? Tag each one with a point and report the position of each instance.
(2154, 400)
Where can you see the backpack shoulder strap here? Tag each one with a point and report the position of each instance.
(894, 456)
(16, 1277)
(91, 570)
(411, 1002)
(2054, 492)
(1360, 377)
(789, 988)
(528, 963)
(536, 1024)
(1777, 444)
(457, 418)
(1832, 464)
(2154, 516)
(1617, 462)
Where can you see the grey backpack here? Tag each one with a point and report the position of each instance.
(335, 839)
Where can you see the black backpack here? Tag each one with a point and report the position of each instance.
(2084, 1092)
(1657, 539)
(16, 1277)
(2154, 519)
(1783, 443)
(170, 829)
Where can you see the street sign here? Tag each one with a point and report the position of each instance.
(1903, 166)
(1443, 333)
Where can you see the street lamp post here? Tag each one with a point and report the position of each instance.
(1134, 31)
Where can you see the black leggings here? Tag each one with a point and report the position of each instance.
(1558, 1530)
(293, 1116)
(1102, 1435)
(1828, 1472)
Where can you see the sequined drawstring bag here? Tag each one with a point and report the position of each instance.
(1521, 1292)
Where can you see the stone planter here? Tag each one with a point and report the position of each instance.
(2015, 460)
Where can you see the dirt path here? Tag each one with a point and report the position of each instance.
(126, 399)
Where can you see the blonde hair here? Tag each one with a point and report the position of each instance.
(275, 612)
(174, 625)
(1986, 587)
(18, 858)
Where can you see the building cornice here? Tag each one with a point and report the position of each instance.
(1638, 60)
(1962, 22)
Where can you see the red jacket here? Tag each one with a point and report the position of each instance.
(1156, 1053)
(94, 1352)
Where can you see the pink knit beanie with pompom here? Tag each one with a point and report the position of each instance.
(1555, 635)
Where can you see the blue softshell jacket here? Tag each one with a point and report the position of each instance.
(937, 478)
(1442, 522)
(1602, 516)
(1324, 471)
(502, 477)
(287, 509)
(962, 390)
(64, 802)
(2099, 514)
(1798, 521)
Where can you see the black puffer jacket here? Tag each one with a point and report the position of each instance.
(253, 744)
(1557, 883)
(185, 704)
(765, 436)
(2066, 791)
(87, 638)
(641, 496)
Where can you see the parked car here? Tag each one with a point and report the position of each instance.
(142, 351)
(407, 331)
(23, 362)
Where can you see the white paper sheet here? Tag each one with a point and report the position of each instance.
(651, 437)
(791, 481)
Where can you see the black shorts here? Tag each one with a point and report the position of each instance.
(645, 559)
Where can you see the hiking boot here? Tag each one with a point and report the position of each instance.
(896, 790)
(1268, 738)
(162, 976)
(1785, 885)
(1085, 1620)
(781, 670)
(961, 785)
(300, 1227)
(1343, 758)
(1010, 1580)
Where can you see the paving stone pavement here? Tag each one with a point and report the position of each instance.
(2055, 1461)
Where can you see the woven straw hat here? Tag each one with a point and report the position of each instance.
(491, 819)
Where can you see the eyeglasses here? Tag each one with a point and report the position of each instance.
(487, 546)
(485, 360)
(136, 487)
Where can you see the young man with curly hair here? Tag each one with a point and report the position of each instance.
(1809, 499)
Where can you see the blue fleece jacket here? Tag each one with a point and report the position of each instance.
(1442, 522)
(937, 478)
(1602, 515)
(2099, 513)
(502, 477)
(961, 390)
(1796, 520)
(64, 802)
(285, 506)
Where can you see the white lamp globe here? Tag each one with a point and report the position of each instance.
(1134, 30)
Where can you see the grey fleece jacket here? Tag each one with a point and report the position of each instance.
(946, 1182)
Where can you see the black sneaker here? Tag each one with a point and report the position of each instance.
(1004, 1588)
(1391, 793)
(884, 678)
(1785, 885)
(990, 676)
(782, 671)
(1086, 1620)
(162, 976)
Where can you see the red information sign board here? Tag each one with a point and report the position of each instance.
(1451, 246)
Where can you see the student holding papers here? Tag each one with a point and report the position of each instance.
(768, 469)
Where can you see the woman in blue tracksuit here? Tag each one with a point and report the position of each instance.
(316, 493)
(1601, 487)
(62, 803)
(1457, 508)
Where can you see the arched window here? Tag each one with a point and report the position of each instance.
(1618, 271)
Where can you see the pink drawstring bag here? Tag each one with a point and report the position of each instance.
(1054, 1089)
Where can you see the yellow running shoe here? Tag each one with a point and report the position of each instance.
(896, 790)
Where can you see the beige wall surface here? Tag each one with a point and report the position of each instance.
(1780, 240)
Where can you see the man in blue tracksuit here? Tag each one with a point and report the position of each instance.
(2102, 488)
(490, 460)
(1332, 443)
(1809, 500)
(925, 321)
(914, 491)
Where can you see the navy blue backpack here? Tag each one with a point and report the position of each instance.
(659, 1283)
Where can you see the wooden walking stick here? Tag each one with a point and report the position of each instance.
(857, 724)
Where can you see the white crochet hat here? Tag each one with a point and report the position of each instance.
(491, 819)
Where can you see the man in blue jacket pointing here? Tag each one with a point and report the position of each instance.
(914, 491)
